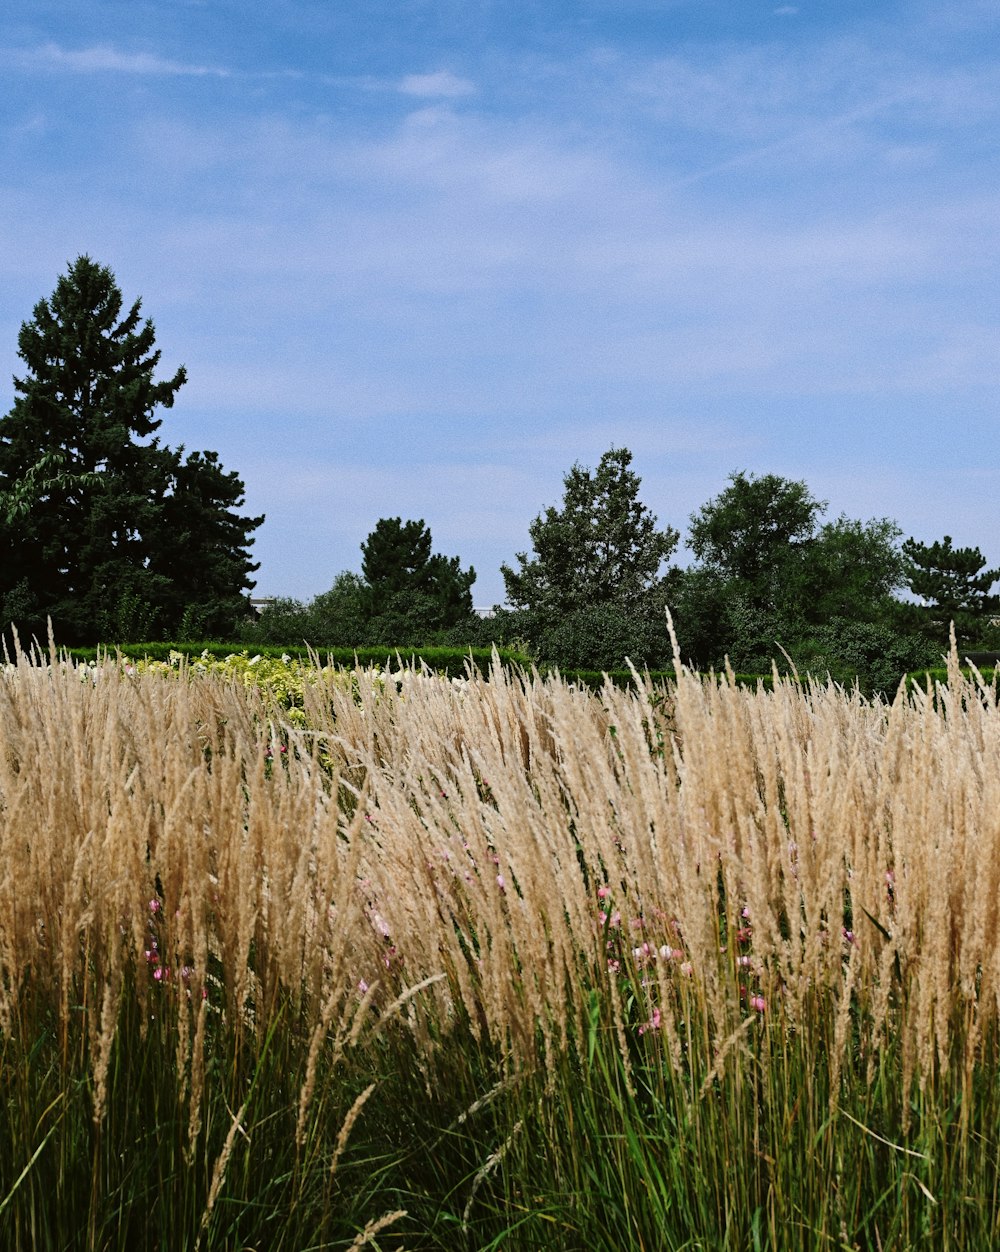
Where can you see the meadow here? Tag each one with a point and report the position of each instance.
(396, 961)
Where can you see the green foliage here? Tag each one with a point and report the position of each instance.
(101, 531)
(874, 655)
(339, 617)
(197, 545)
(600, 637)
(851, 571)
(342, 618)
(950, 581)
(753, 531)
(772, 578)
(601, 547)
(407, 584)
(284, 623)
(718, 619)
(281, 667)
(407, 597)
(954, 586)
(939, 674)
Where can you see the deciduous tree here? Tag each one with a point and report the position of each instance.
(754, 532)
(601, 547)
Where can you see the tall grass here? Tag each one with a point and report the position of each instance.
(502, 963)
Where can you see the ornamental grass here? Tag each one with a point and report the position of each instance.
(496, 963)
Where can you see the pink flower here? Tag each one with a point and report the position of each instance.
(500, 882)
(758, 1003)
(652, 1024)
(155, 905)
(603, 893)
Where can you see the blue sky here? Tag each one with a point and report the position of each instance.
(420, 256)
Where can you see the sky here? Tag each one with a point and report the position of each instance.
(420, 257)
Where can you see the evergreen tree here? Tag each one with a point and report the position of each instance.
(955, 587)
(406, 582)
(951, 581)
(395, 557)
(105, 534)
(198, 547)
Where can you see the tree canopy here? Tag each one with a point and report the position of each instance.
(601, 547)
(104, 529)
(950, 580)
(754, 530)
(770, 573)
(406, 579)
(953, 587)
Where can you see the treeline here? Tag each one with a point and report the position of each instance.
(113, 537)
(772, 578)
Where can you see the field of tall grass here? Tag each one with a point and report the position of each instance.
(496, 964)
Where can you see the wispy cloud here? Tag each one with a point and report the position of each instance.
(105, 59)
(440, 85)
(776, 253)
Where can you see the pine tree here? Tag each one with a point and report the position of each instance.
(106, 534)
(405, 579)
(953, 582)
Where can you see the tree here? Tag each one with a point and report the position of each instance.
(102, 528)
(602, 546)
(770, 574)
(395, 556)
(754, 531)
(951, 581)
(954, 585)
(425, 591)
(197, 547)
(852, 570)
(339, 617)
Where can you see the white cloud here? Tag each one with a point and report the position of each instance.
(104, 59)
(440, 85)
(525, 287)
